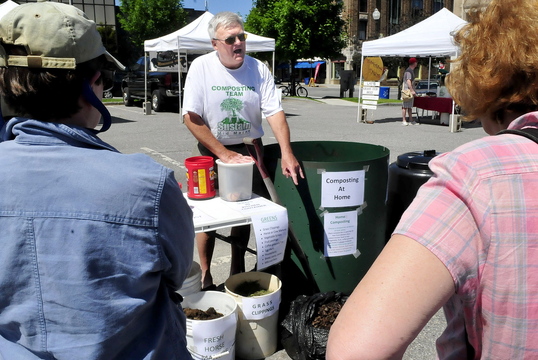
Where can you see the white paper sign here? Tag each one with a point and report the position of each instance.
(340, 233)
(369, 107)
(342, 189)
(370, 91)
(369, 102)
(372, 83)
(371, 97)
(271, 231)
(211, 338)
(257, 308)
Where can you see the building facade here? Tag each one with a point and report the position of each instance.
(374, 19)
(103, 12)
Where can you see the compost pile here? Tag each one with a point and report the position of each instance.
(197, 314)
(306, 326)
(326, 314)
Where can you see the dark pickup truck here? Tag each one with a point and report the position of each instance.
(162, 87)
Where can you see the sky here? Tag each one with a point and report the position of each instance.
(242, 7)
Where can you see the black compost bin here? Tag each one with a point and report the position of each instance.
(308, 218)
(406, 176)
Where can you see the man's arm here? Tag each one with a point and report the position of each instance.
(203, 134)
(290, 165)
(410, 86)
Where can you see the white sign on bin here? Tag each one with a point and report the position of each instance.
(214, 338)
(257, 308)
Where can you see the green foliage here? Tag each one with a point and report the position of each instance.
(148, 19)
(301, 28)
(108, 35)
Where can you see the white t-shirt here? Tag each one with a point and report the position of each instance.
(231, 102)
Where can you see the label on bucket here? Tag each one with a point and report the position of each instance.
(257, 308)
(202, 178)
(214, 339)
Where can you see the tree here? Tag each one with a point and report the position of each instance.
(301, 28)
(149, 19)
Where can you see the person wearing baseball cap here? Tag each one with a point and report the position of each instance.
(94, 243)
(408, 81)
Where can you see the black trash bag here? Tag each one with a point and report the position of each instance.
(300, 339)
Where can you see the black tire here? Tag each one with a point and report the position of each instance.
(302, 92)
(285, 90)
(127, 99)
(157, 103)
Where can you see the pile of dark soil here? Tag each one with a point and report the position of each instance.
(326, 314)
(197, 314)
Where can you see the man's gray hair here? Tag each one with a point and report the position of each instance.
(224, 19)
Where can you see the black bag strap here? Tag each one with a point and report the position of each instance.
(529, 133)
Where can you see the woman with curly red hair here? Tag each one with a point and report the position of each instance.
(469, 241)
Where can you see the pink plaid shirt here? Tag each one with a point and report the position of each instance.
(479, 215)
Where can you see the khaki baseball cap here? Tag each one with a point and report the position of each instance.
(55, 36)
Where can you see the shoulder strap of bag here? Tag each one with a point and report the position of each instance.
(530, 133)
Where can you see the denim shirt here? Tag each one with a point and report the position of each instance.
(93, 243)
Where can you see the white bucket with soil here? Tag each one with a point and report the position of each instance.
(193, 282)
(212, 339)
(258, 315)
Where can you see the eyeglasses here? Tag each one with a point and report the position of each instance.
(231, 40)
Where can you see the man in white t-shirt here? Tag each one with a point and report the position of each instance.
(225, 94)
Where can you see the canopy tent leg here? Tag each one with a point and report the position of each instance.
(359, 105)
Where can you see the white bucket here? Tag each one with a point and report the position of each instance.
(235, 180)
(258, 315)
(212, 339)
(193, 282)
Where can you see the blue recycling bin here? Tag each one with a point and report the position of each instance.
(384, 92)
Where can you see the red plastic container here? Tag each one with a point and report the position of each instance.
(200, 177)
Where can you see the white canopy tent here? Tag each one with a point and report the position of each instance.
(194, 39)
(7, 7)
(431, 37)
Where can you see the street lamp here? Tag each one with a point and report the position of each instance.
(376, 14)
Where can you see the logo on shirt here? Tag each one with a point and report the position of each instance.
(233, 124)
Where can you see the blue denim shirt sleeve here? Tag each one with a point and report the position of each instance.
(176, 232)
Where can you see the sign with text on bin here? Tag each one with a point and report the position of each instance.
(342, 188)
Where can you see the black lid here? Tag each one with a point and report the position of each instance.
(416, 160)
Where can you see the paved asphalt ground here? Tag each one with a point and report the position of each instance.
(319, 118)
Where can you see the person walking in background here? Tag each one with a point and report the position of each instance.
(468, 241)
(94, 243)
(227, 86)
(408, 84)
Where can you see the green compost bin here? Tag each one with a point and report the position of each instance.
(306, 213)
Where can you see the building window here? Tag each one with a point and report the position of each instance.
(363, 6)
(437, 5)
(417, 7)
(395, 9)
(417, 4)
(362, 29)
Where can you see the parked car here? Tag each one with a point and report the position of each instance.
(421, 87)
(162, 87)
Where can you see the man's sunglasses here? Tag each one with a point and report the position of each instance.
(231, 40)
